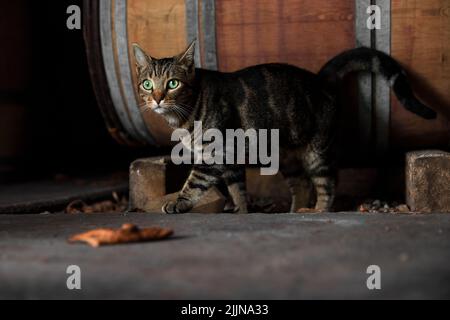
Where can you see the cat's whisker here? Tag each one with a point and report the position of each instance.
(186, 113)
(145, 109)
(179, 114)
(185, 108)
(179, 110)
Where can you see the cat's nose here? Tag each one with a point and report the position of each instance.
(158, 96)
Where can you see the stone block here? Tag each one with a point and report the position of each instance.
(428, 181)
(212, 202)
(153, 178)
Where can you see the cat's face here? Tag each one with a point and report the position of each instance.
(166, 85)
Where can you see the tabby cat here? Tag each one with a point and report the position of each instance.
(301, 104)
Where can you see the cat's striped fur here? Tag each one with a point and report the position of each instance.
(301, 104)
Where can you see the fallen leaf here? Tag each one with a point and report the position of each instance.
(128, 233)
(116, 205)
(402, 208)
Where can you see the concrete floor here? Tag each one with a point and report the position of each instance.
(230, 257)
(54, 195)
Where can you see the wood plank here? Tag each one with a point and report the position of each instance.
(365, 84)
(159, 27)
(300, 32)
(421, 42)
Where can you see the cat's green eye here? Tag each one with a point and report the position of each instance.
(148, 85)
(173, 84)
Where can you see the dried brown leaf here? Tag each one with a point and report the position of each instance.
(128, 233)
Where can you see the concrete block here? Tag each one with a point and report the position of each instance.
(153, 178)
(212, 202)
(428, 181)
(154, 181)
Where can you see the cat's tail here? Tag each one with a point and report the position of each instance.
(365, 59)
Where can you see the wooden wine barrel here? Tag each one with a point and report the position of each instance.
(233, 34)
(421, 42)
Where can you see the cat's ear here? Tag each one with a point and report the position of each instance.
(187, 58)
(142, 59)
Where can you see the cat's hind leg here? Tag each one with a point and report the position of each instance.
(235, 181)
(301, 192)
(298, 182)
(325, 191)
(229, 207)
(323, 177)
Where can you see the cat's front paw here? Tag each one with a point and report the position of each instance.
(178, 206)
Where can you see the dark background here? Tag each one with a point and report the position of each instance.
(51, 122)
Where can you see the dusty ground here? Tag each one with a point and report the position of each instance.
(230, 256)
